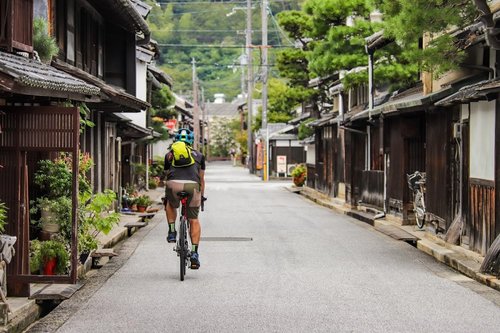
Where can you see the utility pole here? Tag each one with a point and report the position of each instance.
(265, 4)
(204, 118)
(196, 115)
(249, 85)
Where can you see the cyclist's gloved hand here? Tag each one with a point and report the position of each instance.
(203, 198)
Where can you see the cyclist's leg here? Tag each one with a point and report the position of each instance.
(171, 190)
(194, 201)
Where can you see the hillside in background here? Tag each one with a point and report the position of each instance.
(213, 33)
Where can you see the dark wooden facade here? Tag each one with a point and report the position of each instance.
(442, 166)
(405, 147)
(94, 44)
(30, 134)
(16, 25)
(355, 147)
(329, 165)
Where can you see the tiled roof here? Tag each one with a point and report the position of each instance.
(115, 95)
(222, 109)
(473, 92)
(34, 74)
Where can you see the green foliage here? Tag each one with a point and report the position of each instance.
(3, 216)
(222, 137)
(199, 24)
(408, 20)
(156, 168)
(41, 252)
(45, 45)
(94, 211)
(332, 34)
(299, 170)
(143, 200)
(84, 117)
(304, 130)
(162, 98)
(54, 178)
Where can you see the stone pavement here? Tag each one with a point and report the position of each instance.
(465, 261)
(25, 311)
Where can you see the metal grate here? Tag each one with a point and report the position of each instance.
(226, 239)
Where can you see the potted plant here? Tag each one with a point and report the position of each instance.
(143, 202)
(299, 175)
(54, 214)
(50, 257)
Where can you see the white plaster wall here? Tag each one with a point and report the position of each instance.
(311, 154)
(139, 118)
(160, 148)
(482, 140)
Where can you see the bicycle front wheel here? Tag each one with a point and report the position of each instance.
(182, 249)
(419, 212)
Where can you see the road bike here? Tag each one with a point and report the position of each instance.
(182, 246)
(416, 183)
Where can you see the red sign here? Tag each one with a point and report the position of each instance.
(170, 124)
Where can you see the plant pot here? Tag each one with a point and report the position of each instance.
(51, 227)
(50, 266)
(141, 209)
(299, 180)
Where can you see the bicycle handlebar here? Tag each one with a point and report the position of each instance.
(203, 199)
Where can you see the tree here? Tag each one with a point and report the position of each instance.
(407, 21)
(333, 36)
(161, 102)
(221, 137)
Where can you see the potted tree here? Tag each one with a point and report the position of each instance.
(299, 175)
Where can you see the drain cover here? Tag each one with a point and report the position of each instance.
(227, 239)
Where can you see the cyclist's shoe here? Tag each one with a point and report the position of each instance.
(172, 236)
(195, 260)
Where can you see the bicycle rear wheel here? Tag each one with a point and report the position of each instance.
(182, 248)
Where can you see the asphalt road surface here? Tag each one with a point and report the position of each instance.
(272, 261)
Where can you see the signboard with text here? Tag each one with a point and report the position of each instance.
(281, 164)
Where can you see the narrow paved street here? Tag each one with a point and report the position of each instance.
(272, 261)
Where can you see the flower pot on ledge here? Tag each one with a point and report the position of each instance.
(299, 180)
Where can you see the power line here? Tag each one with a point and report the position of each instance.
(211, 46)
(200, 64)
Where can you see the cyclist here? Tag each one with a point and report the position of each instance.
(188, 177)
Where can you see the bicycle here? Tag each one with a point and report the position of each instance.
(416, 183)
(182, 247)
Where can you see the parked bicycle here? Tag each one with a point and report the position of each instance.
(416, 183)
(183, 247)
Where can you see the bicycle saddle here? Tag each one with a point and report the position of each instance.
(182, 194)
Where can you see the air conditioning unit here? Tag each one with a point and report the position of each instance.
(289, 168)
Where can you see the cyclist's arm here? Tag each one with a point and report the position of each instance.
(202, 176)
(202, 179)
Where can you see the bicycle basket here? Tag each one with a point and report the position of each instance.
(412, 179)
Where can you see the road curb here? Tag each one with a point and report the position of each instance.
(462, 260)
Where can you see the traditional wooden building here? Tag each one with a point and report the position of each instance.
(94, 71)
